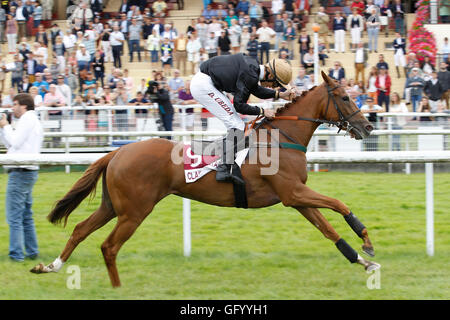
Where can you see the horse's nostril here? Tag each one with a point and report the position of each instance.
(369, 128)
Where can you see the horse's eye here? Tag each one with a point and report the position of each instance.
(345, 98)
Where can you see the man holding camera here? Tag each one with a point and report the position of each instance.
(160, 95)
(27, 138)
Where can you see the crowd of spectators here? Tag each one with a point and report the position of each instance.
(68, 67)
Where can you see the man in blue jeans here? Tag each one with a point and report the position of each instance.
(134, 36)
(416, 84)
(26, 138)
(398, 11)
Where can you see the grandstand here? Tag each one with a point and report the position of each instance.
(182, 19)
(193, 9)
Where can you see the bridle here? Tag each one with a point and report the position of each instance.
(342, 123)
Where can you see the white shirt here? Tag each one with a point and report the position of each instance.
(261, 72)
(399, 108)
(359, 55)
(66, 92)
(445, 48)
(27, 138)
(372, 87)
(69, 41)
(83, 57)
(115, 37)
(335, 73)
(38, 100)
(265, 34)
(91, 34)
(124, 26)
(42, 51)
(7, 102)
(277, 6)
(19, 14)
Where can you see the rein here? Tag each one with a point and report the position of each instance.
(341, 123)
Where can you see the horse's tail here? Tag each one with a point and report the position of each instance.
(80, 190)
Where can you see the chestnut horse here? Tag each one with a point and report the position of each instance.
(137, 176)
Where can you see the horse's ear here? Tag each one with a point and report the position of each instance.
(326, 78)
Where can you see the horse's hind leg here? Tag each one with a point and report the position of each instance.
(317, 219)
(303, 196)
(82, 230)
(122, 232)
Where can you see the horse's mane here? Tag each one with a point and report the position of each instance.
(294, 101)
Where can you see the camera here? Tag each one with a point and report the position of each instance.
(152, 90)
(8, 115)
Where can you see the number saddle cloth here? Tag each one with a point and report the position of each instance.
(203, 156)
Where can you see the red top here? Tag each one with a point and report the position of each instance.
(358, 5)
(387, 84)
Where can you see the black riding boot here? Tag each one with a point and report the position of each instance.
(231, 145)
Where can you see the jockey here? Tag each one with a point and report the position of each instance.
(240, 75)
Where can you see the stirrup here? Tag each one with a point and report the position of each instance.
(223, 173)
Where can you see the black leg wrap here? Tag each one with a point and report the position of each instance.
(355, 224)
(347, 251)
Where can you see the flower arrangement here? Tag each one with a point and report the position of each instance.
(422, 42)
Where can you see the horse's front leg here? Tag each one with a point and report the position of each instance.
(318, 220)
(302, 196)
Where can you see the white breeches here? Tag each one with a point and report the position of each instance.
(107, 49)
(356, 35)
(203, 90)
(62, 64)
(339, 40)
(399, 59)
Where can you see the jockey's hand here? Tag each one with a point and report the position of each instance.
(269, 113)
(288, 94)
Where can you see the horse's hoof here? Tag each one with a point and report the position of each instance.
(40, 268)
(369, 251)
(372, 266)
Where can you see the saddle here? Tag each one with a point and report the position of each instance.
(216, 148)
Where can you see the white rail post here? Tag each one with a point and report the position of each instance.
(316, 29)
(430, 208)
(316, 149)
(186, 203)
(66, 151)
(407, 165)
(187, 227)
(110, 125)
(389, 125)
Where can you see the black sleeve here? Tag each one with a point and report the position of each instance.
(426, 87)
(240, 103)
(240, 100)
(247, 86)
(263, 93)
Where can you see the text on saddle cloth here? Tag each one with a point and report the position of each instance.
(196, 165)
